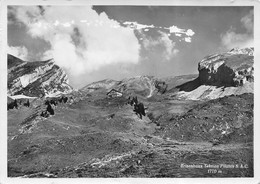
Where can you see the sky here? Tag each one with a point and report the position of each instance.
(93, 43)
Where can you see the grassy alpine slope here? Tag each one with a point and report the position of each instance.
(195, 125)
(98, 136)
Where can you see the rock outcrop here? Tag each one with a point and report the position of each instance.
(233, 68)
(230, 73)
(39, 78)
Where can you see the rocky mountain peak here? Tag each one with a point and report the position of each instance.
(232, 68)
(38, 78)
(249, 51)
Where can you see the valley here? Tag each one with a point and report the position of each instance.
(191, 128)
(82, 140)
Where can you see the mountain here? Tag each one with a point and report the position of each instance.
(190, 119)
(36, 78)
(104, 84)
(219, 75)
(222, 75)
(144, 86)
(232, 68)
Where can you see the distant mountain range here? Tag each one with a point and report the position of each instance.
(219, 75)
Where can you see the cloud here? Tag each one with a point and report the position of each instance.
(169, 45)
(20, 52)
(248, 21)
(172, 29)
(187, 39)
(189, 32)
(179, 31)
(81, 40)
(164, 42)
(232, 39)
(135, 25)
(47, 55)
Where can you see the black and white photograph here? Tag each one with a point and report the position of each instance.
(129, 91)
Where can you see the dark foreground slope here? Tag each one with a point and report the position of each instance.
(96, 136)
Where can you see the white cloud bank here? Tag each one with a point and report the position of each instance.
(172, 29)
(20, 52)
(163, 41)
(232, 39)
(164, 37)
(135, 25)
(81, 40)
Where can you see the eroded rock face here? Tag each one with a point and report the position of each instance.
(233, 68)
(36, 78)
